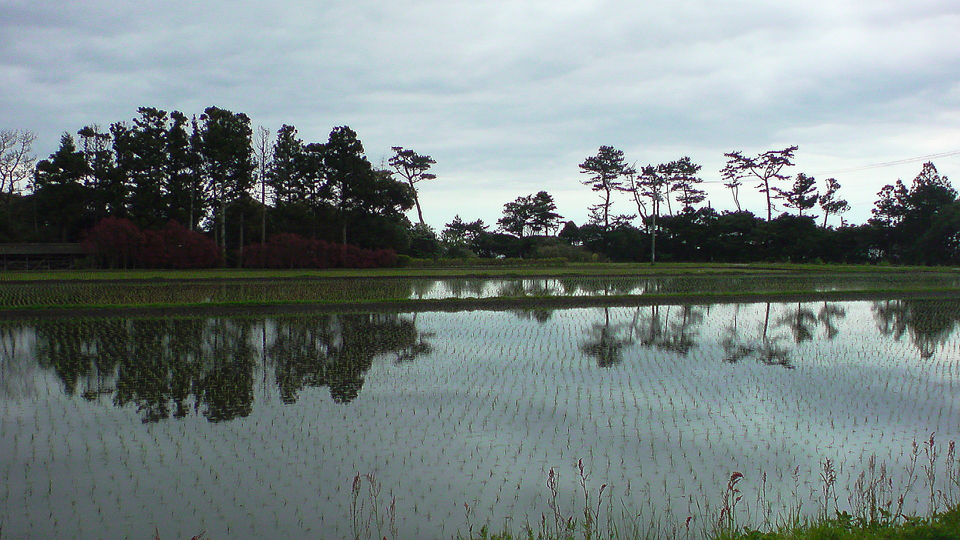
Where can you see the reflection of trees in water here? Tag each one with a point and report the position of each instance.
(541, 315)
(930, 323)
(163, 366)
(765, 347)
(337, 350)
(676, 329)
(668, 327)
(17, 364)
(828, 314)
(768, 346)
(85, 353)
(535, 287)
(463, 287)
(168, 367)
(802, 321)
(605, 343)
(420, 288)
(608, 286)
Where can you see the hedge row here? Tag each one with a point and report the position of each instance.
(288, 250)
(119, 243)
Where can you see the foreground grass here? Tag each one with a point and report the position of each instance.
(941, 526)
(945, 526)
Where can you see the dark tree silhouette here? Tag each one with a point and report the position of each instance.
(802, 195)
(766, 168)
(830, 202)
(605, 170)
(413, 168)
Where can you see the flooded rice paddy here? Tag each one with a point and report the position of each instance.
(258, 426)
(319, 290)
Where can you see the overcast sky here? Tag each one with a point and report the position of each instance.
(510, 96)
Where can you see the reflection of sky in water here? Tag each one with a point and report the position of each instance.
(482, 418)
(627, 285)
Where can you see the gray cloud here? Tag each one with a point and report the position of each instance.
(510, 96)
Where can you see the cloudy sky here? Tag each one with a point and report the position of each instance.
(509, 96)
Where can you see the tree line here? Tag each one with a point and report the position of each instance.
(213, 174)
(915, 224)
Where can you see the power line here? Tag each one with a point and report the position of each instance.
(891, 163)
(868, 167)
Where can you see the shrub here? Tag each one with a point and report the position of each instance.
(563, 251)
(119, 243)
(289, 250)
(175, 246)
(115, 241)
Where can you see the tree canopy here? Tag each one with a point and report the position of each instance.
(207, 173)
(606, 170)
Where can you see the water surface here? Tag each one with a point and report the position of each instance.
(71, 293)
(254, 427)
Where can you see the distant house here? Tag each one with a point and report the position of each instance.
(41, 256)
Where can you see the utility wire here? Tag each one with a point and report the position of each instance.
(868, 167)
(891, 163)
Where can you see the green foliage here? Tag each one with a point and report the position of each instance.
(534, 213)
(624, 243)
(940, 243)
(161, 166)
(682, 174)
(488, 263)
(424, 243)
(906, 214)
(563, 251)
(62, 201)
(789, 238)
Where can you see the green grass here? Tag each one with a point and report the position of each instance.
(942, 526)
(945, 526)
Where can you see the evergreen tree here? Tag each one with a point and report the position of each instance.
(225, 150)
(413, 168)
(766, 168)
(606, 170)
(829, 201)
(802, 195)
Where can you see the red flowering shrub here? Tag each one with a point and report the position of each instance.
(175, 246)
(116, 241)
(288, 250)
